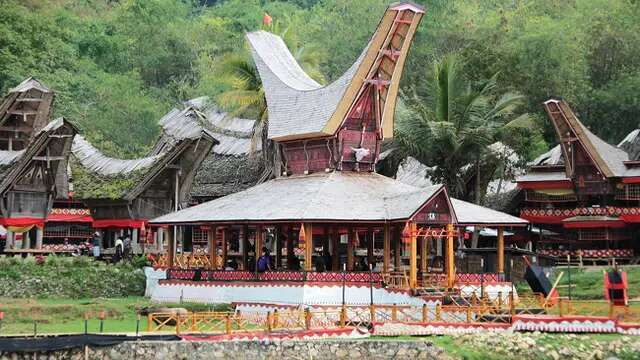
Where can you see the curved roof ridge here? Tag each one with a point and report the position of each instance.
(94, 160)
(280, 61)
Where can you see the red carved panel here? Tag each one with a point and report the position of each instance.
(350, 139)
(315, 156)
(437, 211)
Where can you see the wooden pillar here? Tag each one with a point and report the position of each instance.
(212, 245)
(451, 266)
(278, 240)
(308, 247)
(350, 249)
(290, 247)
(171, 254)
(244, 242)
(335, 249)
(397, 252)
(423, 254)
(413, 254)
(226, 235)
(500, 250)
(386, 248)
(371, 259)
(258, 243)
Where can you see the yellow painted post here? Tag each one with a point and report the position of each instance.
(386, 246)
(343, 316)
(178, 324)
(372, 313)
(149, 322)
(499, 299)
(512, 305)
(469, 313)
(269, 322)
(394, 312)
(451, 268)
(307, 319)
(425, 313)
(560, 307)
(438, 312)
(501, 250)
(228, 324)
(275, 319)
(413, 261)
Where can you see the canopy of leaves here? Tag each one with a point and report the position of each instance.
(118, 65)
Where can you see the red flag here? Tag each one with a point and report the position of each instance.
(266, 20)
(301, 236)
(356, 239)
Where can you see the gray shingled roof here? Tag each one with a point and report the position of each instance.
(472, 214)
(543, 176)
(335, 196)
(297, 104)
(551, 157)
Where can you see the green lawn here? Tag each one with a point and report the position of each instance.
(67, 315)
(588, 282)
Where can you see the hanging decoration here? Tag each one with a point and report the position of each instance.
(301, 237)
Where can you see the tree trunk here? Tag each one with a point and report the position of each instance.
(477, 191)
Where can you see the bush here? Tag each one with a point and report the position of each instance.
(69, 277)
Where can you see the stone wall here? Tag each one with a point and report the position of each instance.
(318, 349)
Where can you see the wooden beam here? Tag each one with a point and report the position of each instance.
(500, 250)
(212, 244)
(245, 247)
(371, 259)
(386, 248)
(168, 233)
(423, 254)
(226, 235)
(350, 248)
(413, 254)
(397, 252)
(451, 266)
(308, 247)
(335, 253)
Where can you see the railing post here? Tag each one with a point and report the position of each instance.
(425, 313)
(560, 307)
(611, 310)
(372, 313)
(499, 299)
(512, 305)
(228, 324)
(307, 319)
(178, 324)
(343, 316)
(394, 312)
(468, 313)
(193, 321)
(438, 312)
(149, 322)
(269, 320)
(274, 319)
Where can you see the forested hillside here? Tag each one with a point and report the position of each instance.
(118, 65)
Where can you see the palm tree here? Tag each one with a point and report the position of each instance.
(453, 126)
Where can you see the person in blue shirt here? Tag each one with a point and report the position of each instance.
(264, 261)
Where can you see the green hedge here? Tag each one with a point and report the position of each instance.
(69, 277)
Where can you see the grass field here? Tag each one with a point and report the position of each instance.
(67, 315)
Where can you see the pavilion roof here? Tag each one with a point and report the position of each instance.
(335, 196)
(472, 214)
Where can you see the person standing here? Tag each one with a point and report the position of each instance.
(96, 241)
(119, 249)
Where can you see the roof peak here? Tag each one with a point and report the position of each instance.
(28, 84)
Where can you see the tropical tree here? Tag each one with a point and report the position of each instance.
(452, 128)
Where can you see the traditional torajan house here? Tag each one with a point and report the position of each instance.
(124, 194)
(33, 158)
(326, 200)
(583, 193)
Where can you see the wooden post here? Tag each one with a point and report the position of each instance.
(245, 246)
(225, 246)
(413, 254)
(451, 267)
(397, 252)
(335, 255)
(371, 259)
(501, 250)
(212, 244)
(425, 313)
(350, 249)
(423, 255)
(386, 248)
(258, 244)
(394, 312)
(290, 245)
(308, 247)
(171, 254)
(278, 246)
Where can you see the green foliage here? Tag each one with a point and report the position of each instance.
(117, 66)
(93, 186)
(69, 277)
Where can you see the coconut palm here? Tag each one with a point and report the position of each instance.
(453, 126)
